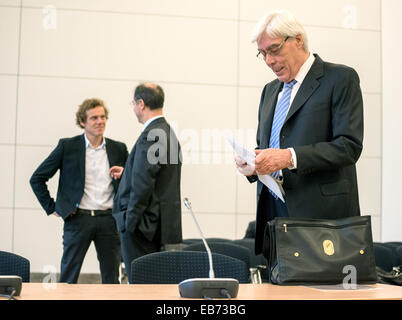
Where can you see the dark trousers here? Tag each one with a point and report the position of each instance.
(79, 231)
(268, 208)
(135, 245)
(278, 207)
(274, 206)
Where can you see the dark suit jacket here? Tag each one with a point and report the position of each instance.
(325, 127)
(149, 194)
(69, 158)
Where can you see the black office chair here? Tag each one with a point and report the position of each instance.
(387, 255)
(399, 253)
(175, 266)
(226, 248)
(396, 248)
(12, 264)
(251, 230)
(215, 239)
(209, 240)
(256, 261)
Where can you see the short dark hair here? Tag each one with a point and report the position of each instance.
(152, 95)
(81, 114)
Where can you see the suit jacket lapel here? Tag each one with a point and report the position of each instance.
(81, 159)
(267, 113)
(309, 85)
(110, 154)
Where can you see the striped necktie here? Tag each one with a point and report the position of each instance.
(281, 111)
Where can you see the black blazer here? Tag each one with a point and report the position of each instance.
(69, 158)
(149, 194)
(325, 127)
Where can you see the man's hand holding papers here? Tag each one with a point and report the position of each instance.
(245, 168)
(245, 163)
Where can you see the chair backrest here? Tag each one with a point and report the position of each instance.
(226, 248)
(396, 248)
(214, 239)
(255, 260)
(189, 241)
(249, 243)
(386, 256)
(399, 253)
(251, 230)
(175, 266)
(12, 264)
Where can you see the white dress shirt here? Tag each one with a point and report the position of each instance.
(147, 123)
(98, 190)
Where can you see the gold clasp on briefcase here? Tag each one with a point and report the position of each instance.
(328, 246)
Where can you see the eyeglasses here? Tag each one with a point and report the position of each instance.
(273, 50)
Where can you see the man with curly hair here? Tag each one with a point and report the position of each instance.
(90, 167)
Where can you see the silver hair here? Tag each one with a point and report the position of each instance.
(279, 23)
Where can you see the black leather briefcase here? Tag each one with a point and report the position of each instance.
(312, 251)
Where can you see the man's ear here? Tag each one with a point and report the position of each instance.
(141, 104)
(299, 41)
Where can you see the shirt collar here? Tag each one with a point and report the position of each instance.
(305, 68)
(89, 145)
(147, 123)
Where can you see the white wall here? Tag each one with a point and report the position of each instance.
(391, 122)
(200, 52)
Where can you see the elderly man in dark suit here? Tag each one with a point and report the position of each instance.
(90, 168)
(310, 129)
(147, 207)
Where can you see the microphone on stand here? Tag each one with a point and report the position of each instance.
(207, 287)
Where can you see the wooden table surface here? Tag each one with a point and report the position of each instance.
(63, 291)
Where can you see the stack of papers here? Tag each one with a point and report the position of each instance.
(249, 156)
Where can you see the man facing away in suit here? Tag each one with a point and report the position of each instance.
(147, 206)
(310, 129)
(90, 168)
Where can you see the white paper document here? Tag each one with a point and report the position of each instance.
(249, 156)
